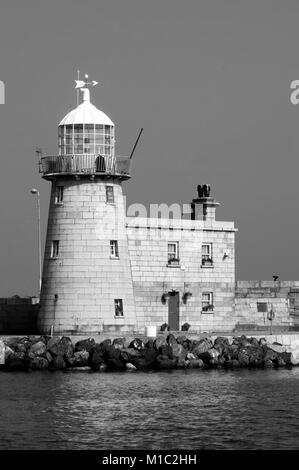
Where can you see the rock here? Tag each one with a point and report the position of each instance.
(130, 366)
(149, 356)
(63, 347)
(12, 341)
(182, 364)
(190, 357)
(85, 345)
(16, 361)
(159, 341)
(232, 363)
(221, 344)
(181, 339)
(170, 340)
(39, 363)
(179, 351)
(79, 359)
(96, 357)
(268, 363)
(277, 347)
(166, 350)
(106, 342)
(202, 346)
(262, 341)
(8, 352)
(254, 342)
(23, 347)
(196, 364)
(279, 362)
(37, 349)
(137, 344)
(241, 341)
(288, 358)
(243, 358)
(129, 354)
(58, 362)
(119, 343)
(164, 362)
(207, 356)
(269, 354)
(79, 369)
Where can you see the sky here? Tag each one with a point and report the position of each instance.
(208, 80)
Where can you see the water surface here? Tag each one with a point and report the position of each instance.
(194, 409)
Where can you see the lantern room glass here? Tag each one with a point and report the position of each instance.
(96, 139)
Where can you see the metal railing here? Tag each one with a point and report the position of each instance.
(85, 164)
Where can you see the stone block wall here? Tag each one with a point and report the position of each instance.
(80, 284)
(275, 295)
(152, 277)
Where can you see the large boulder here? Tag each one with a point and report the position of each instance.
(208, 356)
(196, 364)
(221, 344)
(85, 345)
(63, 347)
(171, 340)
(37, 349)
(202, 346)
(179, 351)
(113, 358)
(137, 344)
(119, 343)
(79, 359)
(96, 358)
(164, 362)
(39, 363)
(243, 358)
(16, 361)
(278, 348)
(166, 350)
(8, 352)
(58, 362)
(159, 341)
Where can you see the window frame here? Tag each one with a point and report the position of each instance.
(54, 249)
(110, 188)
(118, 304)
(209, 308)
(173, 257)
(207, 258)
(114, 251)
(59, 193)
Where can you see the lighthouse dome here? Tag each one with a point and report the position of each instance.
(86, 130)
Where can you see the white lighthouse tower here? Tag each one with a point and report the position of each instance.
(87, 283)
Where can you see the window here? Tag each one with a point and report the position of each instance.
(118, 307)
(55, 249)
(59, 195)
(173, 253)
(207, 302)
(113, 248)
(262, 306)
(206, 254)
(109, 194)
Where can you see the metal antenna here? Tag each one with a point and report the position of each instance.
(141, 130)
(78, 75)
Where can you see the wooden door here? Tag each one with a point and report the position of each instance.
(174, 311)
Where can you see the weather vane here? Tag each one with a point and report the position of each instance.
(83, 83)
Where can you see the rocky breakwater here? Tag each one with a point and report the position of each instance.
(163, 352)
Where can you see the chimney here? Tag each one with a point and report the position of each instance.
(204, 206)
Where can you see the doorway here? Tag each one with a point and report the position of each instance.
(174, 311)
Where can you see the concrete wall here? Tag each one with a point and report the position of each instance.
(84, 278)
(152, 277)
(18, 315)
(275, 295)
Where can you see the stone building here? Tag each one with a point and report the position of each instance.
(106, 272)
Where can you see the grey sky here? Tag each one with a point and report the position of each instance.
(209, 80)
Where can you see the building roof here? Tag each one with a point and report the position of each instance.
(86, 113)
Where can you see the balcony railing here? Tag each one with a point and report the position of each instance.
(85, 164)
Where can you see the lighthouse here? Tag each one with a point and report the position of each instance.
(87, 283)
